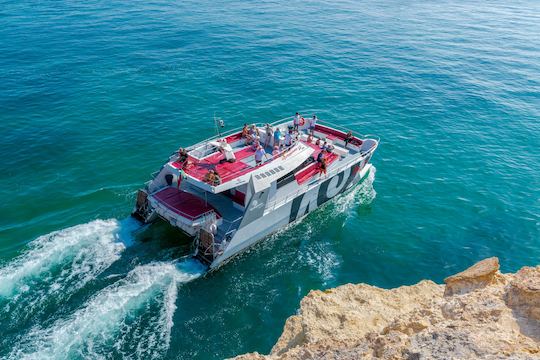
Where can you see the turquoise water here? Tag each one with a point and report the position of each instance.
(94, 97)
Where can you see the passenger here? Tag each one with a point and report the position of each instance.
(322, 167)
(259, 154)
(348, 138)
(312, 123)
(245, 131)
(296, 121)
(269, 135)
(210, 176)
(321, 156)
(324, 145)
(277, 137)
(217, 179)
(253, 131)
(275, 152)
(256, 144)
(318, 142)
(321, 160)
(288, 139)
(310, 138)
(182, 155)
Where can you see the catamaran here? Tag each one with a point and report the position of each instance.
(232, 190)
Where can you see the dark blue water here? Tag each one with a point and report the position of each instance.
(95, 96)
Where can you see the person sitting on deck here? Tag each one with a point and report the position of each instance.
(227, 151)
(217, 179)
(182, 155)
(275, 152)
(183, 158)
(210, 177)
(259, 154)
(324, 144)
(256, 144)
(245, 131)
(269, 134)
(310, 138)
(253, 131)
(318, 142)
(348, 138)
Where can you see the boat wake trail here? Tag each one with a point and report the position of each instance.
(58, 264)
(131, 318)
(361, 195)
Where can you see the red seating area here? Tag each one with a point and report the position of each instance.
(184, 203)
(333, 134)
(226, 170)
(234, 137)
(312, 169)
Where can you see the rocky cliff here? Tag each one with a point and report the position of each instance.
(479, 314)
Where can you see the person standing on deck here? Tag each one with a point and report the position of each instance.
(288, 139)
(321, 160)
(277, 137)
(312, 123)
(296, 121)
(269, 134)
(259, 154)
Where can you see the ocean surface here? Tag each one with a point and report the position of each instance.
(94, 96)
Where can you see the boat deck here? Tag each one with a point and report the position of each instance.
(183, 203)
(245, 157)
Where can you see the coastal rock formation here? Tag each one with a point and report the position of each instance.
(479, 314)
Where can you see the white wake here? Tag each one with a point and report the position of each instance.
(133, 317)
(60, 263)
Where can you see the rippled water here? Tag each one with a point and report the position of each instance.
(95, 96)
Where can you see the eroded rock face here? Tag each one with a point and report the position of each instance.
(479, 275)
(481, 313)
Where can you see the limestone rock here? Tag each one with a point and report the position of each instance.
(477, 276)
(480, 314)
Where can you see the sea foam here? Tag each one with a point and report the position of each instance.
(133, 316)
(58, 264)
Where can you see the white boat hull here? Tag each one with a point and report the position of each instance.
(294, 210)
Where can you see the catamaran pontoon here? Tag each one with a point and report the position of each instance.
(248, 201)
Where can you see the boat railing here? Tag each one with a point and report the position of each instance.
(345, 129)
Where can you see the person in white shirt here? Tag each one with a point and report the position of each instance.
(296, 121)
(288, 139)
(259, 154)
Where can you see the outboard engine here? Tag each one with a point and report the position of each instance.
(142, 212)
